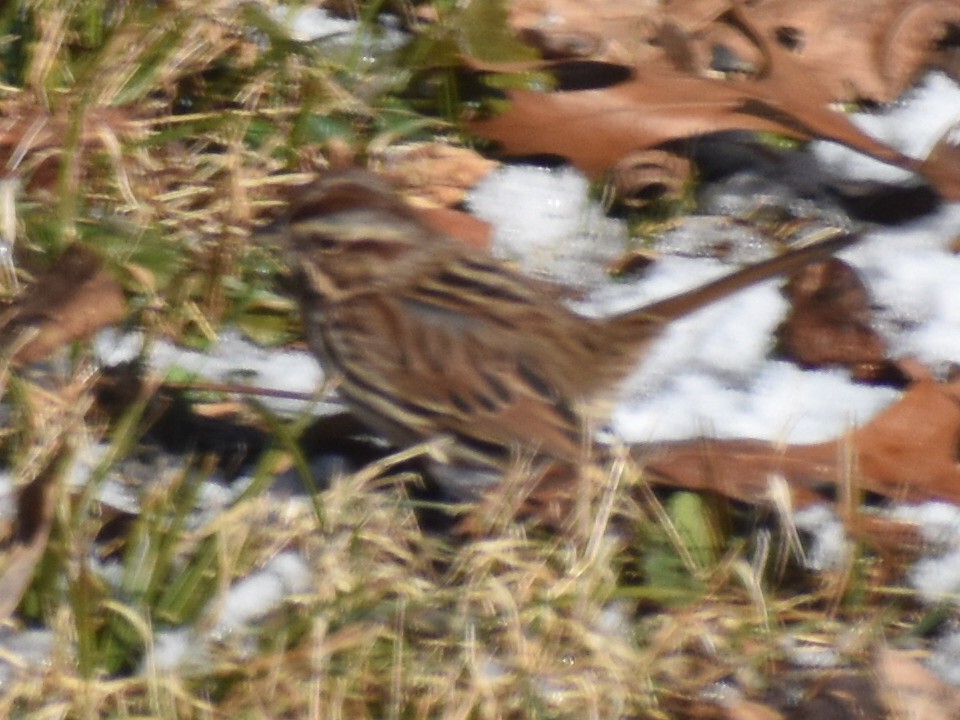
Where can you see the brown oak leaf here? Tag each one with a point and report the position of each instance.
(73, 299)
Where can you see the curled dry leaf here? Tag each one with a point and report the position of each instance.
(829, 319)
(912, 41)
(70, 301)
(649, 175)
(907, 452)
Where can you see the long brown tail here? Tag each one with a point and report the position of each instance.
(685, 303)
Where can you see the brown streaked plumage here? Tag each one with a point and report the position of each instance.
(432, 338)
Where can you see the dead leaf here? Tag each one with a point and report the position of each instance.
(942, 164)
(438, 173)
(596, 128)
(460, 225)
(829, 319)
(31, 138)
(742, 469)
(750, 710)
(911, 691)
(624, 31)
(634, 260)
(907, 452)
(911, 43)
(830, 695)
(35, 511)
(871, 49)
(649, 175)
(786, 87)
(898, 542)
(70, 301)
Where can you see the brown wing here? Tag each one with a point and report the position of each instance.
(415, 368)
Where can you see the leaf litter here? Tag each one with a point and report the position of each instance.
(663, 102)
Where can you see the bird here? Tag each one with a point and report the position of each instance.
(431, 339)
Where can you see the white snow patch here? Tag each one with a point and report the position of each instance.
(544, 220)
(829, 548)
(912, 127)
(262, 592)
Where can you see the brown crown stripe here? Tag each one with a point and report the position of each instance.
(345, 198)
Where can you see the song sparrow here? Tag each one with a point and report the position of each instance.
(432, 338)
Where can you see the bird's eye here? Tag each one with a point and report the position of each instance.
(326, 244)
